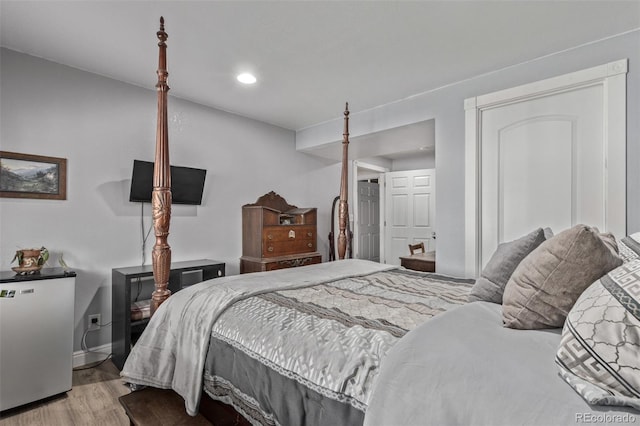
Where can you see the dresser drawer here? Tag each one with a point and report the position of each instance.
(254, 264)
(281, 248)
(293, 263)
(286, 240)
(288, 233)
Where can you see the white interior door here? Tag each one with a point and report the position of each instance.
(542, 166)
(409, 212)
(550, 153)
(369, 221)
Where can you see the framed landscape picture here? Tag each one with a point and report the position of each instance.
(32, 176)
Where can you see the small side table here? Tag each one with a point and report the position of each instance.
(425, 262)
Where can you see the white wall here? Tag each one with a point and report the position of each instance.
(446, 106)
(101, 125)
(416, 162)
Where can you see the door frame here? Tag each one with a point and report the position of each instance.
(354, 184)
(612, 78)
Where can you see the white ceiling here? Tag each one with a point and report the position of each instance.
(309, 56)
(416, 139)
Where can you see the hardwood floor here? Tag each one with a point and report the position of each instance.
(92, 401)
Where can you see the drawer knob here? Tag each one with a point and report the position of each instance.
(269, 236)
(309, 245)
(270, 249)
(310, 234)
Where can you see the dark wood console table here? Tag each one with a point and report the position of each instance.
(425, 262)
(122, 279)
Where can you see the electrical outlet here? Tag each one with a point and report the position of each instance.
(94, 322)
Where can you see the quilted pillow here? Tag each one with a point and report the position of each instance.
(599, 352)
(546, 284)
(629, 247)
(490, 284)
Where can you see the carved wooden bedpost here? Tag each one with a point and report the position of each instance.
(343, 207)
(161, 195)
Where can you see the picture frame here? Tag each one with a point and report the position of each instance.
(32, 176)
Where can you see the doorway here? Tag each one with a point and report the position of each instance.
(369, 219)
(368, 226)
(391, 210)
(403, 148)
(410, 212)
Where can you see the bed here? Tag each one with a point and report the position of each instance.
(352, 342)
(464, 367)
(297, 346)
(294, 346)
(517, 383)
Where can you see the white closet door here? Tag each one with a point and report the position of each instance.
(549, 153)
(542, 165)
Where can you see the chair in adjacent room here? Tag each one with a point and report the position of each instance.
(413, 248)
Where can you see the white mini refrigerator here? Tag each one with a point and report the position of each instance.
(36, 335)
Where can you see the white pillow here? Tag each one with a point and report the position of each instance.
(599, 354)
(629, 247)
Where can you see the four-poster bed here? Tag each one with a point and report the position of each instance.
(333, 299)
(339, 342)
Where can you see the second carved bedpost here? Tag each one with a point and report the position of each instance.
(343, 207)
(161, 195)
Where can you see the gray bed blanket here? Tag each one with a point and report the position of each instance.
(171, 352)
(311, 356)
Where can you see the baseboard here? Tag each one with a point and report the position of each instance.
(97, 354)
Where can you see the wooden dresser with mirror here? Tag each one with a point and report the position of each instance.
(277, 235)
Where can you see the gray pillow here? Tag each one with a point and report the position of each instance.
(610, 241)
(546, 284)
(490, 285)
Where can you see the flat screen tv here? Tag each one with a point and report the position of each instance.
(187, 183)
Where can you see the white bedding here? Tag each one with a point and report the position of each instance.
(463, 367)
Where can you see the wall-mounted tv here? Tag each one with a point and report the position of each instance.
(187, 183)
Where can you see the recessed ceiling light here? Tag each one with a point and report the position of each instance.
(246, 78)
